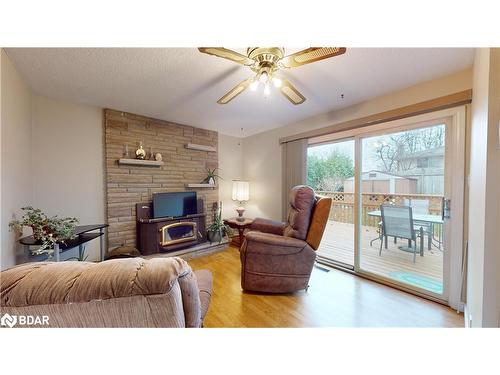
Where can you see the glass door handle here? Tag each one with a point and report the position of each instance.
(446, 208)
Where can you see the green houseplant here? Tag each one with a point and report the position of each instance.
(211, 177)
(217, 230)
(47, 230)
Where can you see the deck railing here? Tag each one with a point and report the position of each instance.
(343, 205)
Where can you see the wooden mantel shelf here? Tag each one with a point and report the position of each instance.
(201, 185)
(140, 162)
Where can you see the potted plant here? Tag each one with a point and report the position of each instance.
(217, 230)
(46, 230)
(211, 177)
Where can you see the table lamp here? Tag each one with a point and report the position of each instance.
(240, 194)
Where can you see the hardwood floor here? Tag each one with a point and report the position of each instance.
(334, 299)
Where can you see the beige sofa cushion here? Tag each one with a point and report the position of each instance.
(134, 292)
(65, 282)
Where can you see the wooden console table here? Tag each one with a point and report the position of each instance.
(83, 234)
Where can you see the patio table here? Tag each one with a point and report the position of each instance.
(433, 219)
(420, 218)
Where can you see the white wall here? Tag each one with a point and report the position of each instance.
(51, 158)
(16, 138)
(230, 168)
(483, 293)
(68, 162)
(262, 153)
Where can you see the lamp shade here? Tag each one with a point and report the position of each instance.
(241, 191)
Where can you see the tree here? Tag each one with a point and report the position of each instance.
(393, 153)
(328, 173)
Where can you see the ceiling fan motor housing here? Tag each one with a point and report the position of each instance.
(265, 57)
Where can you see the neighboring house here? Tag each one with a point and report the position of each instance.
(427, 167)
(424, 175)
(383, 182)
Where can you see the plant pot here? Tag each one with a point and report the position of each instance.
(211, 181)
(214, 236)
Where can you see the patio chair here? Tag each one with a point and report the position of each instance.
(397, 221)
(421, 207)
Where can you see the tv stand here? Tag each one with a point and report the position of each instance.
(164, 234)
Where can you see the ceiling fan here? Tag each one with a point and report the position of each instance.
(266, 62)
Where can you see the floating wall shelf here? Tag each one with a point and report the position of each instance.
(194, 146)
(140, 162)
(201, 185)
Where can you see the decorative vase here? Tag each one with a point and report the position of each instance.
(211, 181)
(140, 153)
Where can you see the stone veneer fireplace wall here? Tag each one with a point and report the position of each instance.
(127, 185)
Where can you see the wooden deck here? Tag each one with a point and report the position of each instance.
(338, 244)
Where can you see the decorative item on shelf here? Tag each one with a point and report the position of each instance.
(158, 157)
(140, 153)
(211, 177)
(47, 230)
(126, 152)
(151, 154)
(217, 230)
(241, 194)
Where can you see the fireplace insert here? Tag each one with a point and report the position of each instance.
(175, 233)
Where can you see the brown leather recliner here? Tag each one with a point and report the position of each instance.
(278, 257)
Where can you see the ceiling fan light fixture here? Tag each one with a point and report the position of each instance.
(265, 62)
(254, 85)
(264, 77)
(267, 90)
(277, 82)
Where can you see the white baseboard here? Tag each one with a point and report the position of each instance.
(467, 318)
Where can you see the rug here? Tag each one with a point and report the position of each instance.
(419, 281)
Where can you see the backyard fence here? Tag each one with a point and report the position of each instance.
(343, 205)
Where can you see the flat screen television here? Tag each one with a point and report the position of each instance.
(174, 204)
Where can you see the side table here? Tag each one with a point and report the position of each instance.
(83, 234)
(239, 225)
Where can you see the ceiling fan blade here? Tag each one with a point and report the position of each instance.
(291, 93)
(310, 55)
(235, 91)
(227, 54)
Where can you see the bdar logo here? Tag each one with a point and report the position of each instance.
(8, 320)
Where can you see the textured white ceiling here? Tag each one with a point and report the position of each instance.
(182, 85)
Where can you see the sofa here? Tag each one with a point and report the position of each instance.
(133, 292)
(278, 257)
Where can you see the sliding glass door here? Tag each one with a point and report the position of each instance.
(330, 171)
(402, 190)
(397, 211)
